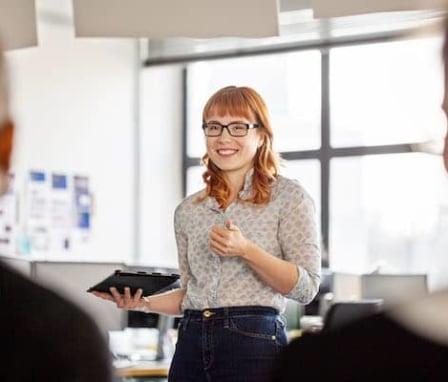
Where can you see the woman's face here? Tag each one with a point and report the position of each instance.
(233, 155)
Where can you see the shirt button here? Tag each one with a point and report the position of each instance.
(207, 313)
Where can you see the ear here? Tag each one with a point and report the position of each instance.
(6, 140)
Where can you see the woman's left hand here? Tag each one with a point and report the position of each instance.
(228, 240)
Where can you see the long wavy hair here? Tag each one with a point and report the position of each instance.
(247, 103)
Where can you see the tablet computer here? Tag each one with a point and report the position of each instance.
(150, 283)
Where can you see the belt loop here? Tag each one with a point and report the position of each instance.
(186, 319)
(226, 318)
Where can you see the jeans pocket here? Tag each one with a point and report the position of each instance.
(254, 327)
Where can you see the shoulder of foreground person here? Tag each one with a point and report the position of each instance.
(374, 347)
(45, 336)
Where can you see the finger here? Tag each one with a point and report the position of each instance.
(219, 230)
(117, 298)
(135, 299)
(230, 226)
(115, 294)
(218, 248)
(138, 295)
(127, 296)
(215, 237)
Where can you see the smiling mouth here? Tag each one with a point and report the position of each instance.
(226, 152)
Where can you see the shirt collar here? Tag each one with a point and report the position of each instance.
(247, 187)
(243, 194)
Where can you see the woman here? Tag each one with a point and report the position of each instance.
(244, 244)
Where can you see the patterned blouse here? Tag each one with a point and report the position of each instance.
(285, 228)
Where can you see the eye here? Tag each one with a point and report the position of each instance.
(239, 126)
(213, 126)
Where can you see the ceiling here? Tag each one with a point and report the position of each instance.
(297, 27)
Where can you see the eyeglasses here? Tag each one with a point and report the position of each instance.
(235, 129)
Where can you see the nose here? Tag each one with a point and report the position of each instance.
(225, 133)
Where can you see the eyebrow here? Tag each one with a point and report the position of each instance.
(237, 121)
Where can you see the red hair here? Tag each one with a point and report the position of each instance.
(247, 103)
(6, 126)
(6, 139)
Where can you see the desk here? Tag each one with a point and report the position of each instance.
(144, 370)
(311, 324)
(136, 351)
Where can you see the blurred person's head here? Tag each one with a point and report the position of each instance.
(6, 127)
(445, 97)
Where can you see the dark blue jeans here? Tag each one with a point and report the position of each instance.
(235, 344)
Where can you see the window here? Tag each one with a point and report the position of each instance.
(289, 83)
(386, 93)
(387, 212)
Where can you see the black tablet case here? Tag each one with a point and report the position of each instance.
(151, 283)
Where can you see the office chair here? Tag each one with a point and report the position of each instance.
(342, 313)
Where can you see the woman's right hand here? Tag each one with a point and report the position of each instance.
(124, 301)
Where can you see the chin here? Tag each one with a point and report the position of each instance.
(224, 164)
(226, 168)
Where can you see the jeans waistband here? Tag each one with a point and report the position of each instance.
(232, 311)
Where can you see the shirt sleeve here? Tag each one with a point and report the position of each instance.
(300, 243)
(182, 245)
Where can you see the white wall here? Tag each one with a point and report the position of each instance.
(161, 156)
(74, 106)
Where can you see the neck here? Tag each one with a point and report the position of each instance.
(236, 181)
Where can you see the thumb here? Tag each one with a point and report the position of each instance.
(229, 224)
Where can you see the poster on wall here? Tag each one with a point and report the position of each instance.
(82, 212)
(61, 213)
(37, 207)
(55, 221)
(82, 202)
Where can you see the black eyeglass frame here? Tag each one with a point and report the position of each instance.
(247, 125)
